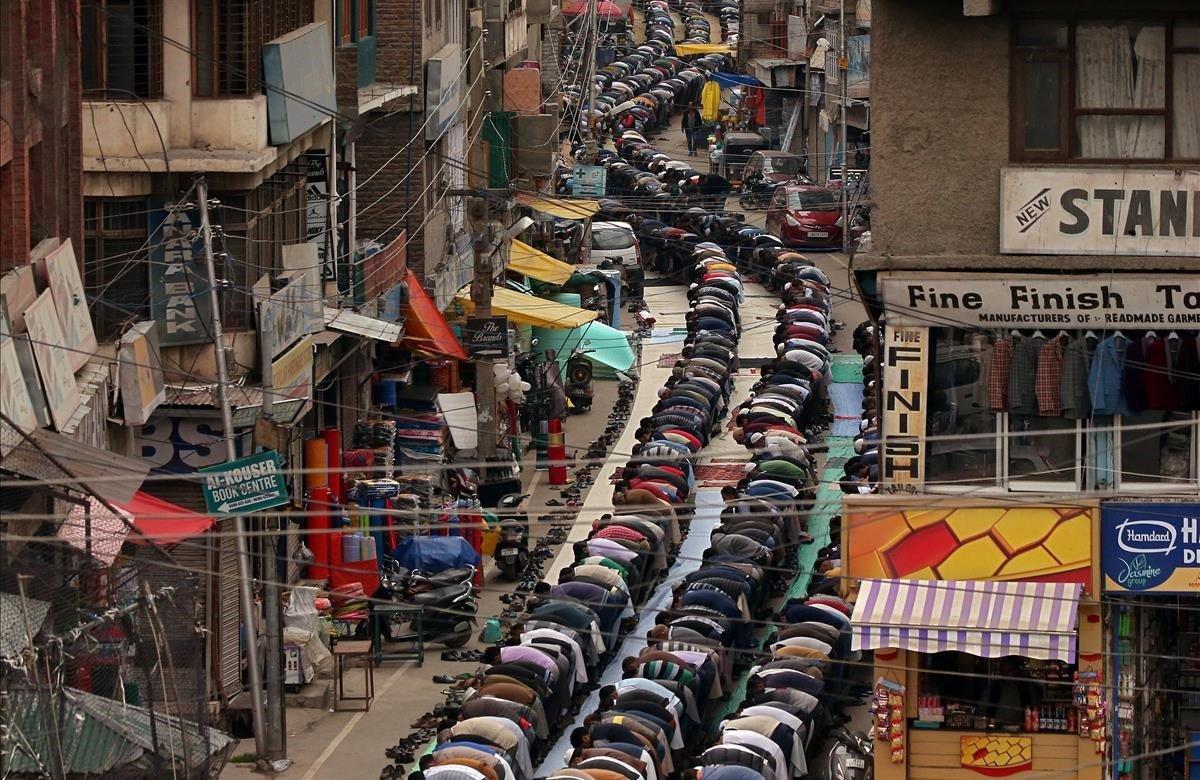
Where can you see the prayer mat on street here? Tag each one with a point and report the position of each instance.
(846, 368)
(667, 359)
(719, 474)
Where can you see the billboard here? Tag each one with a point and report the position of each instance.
(1150, 548)
(1026, 543)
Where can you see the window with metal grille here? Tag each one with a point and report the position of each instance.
(122, 49)
(228, 36)
(116, 275)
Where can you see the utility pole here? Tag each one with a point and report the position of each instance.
(843, 65)
(485, 377)
(591, 141)
(243, 553)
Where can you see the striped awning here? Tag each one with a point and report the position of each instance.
(988, 619)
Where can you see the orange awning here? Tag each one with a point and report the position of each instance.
(426, 330)
(162, 522)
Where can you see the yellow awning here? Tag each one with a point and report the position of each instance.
(563, 208)
(536, 264)
(529, 310)
(686, 49)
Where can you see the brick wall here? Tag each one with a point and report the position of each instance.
(399, 38)
(383, 138)
(40, 147)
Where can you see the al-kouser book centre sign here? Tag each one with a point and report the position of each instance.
(1099, 211)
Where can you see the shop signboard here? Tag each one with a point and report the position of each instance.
(292, 372)
(316, 204)
(983, 542)
(1112, 210)
(178, 277)
(139, 373)
(53, 361)
(486, 337)
(15, 401)
(905, 398)
(589, 181)
(1150, 548)
(243, 486)
(59, 270)
(992, 301)
(294, 311)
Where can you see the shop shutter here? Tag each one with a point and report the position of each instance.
(497, 131)
(228, 615)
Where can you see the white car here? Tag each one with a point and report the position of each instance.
(617, 243)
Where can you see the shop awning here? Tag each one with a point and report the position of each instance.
(988, 619)
(536, 264)
(347, 321)
(528, 310)
(688, 49)
(426, 330)
(162, 522)
(564, 208)
(606, 347)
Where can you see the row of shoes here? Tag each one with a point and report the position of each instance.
(461, 655)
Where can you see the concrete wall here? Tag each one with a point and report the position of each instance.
(940, 118)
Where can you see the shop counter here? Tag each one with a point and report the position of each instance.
(946, 754)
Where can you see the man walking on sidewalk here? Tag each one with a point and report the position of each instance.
(692, 127)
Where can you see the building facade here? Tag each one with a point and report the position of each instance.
(1039, 301)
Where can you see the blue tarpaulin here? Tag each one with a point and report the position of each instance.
(736, 79)
(435, 553)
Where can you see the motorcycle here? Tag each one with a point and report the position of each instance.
(757, 193)
(512, 548)
(849, 758)
(447, 599)
(579, 383)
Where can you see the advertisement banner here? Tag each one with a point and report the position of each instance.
(990, 301)
(590, 181)
(1026, 543)
(1099, 211)
(1151, 548)
(486, 337)
(139, 373)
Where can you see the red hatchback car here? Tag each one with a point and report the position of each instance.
(805, 216)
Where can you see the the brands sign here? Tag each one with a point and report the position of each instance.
(905, 378)
(1099, 211)
(486, 337)
(1151, 547)
(1033, 301)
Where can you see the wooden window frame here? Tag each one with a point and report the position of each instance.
(364, 19)
(102, 264)
(94, 31)
(1069, 148)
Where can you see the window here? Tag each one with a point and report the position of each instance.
(115, 257)
(993, 420)
(364, 21)
(1106, 90)
(975, 693)
(228, 36)
(801, 200)
(122, 52)
(612, 238)
(355, 20)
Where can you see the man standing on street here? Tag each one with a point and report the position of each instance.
(692, 124)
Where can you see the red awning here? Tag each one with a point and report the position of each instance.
(605, 8)
(163, 522)
(426, 330)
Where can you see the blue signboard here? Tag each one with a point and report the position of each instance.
(1151, 547)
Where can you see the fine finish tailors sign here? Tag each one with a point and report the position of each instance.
(1099, 211)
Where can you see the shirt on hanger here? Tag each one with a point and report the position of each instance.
(1074, 398)
(1049, 377)
(1022, 376)
(997, 380)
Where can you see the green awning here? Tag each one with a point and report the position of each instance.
(607, 348)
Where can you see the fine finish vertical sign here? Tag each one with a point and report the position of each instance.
(1099, 211)
(905, 374)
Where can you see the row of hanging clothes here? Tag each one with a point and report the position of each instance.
(1083, 374)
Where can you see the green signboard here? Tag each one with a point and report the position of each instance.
(246, 485)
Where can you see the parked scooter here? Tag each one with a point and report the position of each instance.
(447, 599)
(512, 548)
(579, 383)
(849, 758)
(757, 192)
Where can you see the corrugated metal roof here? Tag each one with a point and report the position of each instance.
(99, 735)
(207, 396)
(351, 322)
(13, 637)
(112, 476)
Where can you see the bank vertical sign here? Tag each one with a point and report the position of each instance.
(1151, 547)
(1099, 211)
(179, 300)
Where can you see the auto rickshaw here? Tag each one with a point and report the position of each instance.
(737, 149)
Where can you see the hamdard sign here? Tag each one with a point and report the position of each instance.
(1151, 547)
(1099, 211)
(995, 302)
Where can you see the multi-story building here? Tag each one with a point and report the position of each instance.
(1035, 261)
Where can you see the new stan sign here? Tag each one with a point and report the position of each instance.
(1099, 211)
